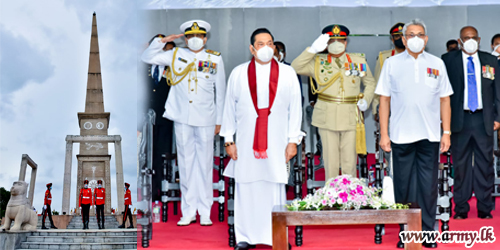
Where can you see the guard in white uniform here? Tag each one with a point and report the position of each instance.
(195, 104)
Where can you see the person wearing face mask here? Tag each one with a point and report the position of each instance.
(338, 111)
(85, 203)
(495, 46)
(279, 55)
(128, 206)
(194, 104)
(46, 207)
(396, 32)
(475, 108)
(262, 109)
(157, 89)
(414, 89)
(99, 199)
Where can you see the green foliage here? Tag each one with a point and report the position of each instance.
(4, 199)
(54, 212)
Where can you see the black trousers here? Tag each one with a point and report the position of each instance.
(49, 212)
(99, 209)
(415, 167)
(127, 213)
(162, 144)
(472, 146)
(85, 212)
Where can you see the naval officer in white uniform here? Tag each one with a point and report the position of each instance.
(195, 104)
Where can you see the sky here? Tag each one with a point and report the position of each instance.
(44, 56)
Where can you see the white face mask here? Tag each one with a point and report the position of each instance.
(195, 43)
(282, 57)
(416, 44)
(99, 186)
(495, 51)
(86, 186)
(336, 48)
(265, 54)
(470, 46)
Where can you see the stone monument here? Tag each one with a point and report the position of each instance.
(19, 210)
(94, 159)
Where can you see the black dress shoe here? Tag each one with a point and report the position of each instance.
(400, 244)
(243, 246)
(460, 216)
(430, 245)
(44, 227)
(53, 227)
(483, 215)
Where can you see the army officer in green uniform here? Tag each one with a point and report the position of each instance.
(338, 111)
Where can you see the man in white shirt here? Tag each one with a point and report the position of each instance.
(414, 88)
(195, 104)
(263, 110)
(475, 108)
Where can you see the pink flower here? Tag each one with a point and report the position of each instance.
(345, 181)
(343, 196)
(324, 202)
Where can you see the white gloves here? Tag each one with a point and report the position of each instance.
(130, 206)
(80, 208)
(319, 44)
(44, 206)
(362, 105)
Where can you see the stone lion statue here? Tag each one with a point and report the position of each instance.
(19, 210)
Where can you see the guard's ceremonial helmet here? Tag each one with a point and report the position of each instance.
(49, 185)
(127, 185)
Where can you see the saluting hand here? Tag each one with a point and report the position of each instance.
(232, 151)
(291, 151)
(319, 44)
(385, 143)
(170, 38)
(496, 125)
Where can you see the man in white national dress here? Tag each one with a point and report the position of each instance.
(263, 110)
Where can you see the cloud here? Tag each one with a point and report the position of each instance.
(21, 62)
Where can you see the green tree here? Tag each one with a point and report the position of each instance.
(4, 199)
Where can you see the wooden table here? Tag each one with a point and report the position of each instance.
(282, 218)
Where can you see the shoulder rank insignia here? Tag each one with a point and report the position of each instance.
(209, 51)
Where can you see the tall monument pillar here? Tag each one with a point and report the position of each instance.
(93, 158)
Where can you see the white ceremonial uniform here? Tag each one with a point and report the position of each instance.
(406, 81)
(195, 105)
(260, 182)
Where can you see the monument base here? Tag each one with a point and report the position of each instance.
(12, 240)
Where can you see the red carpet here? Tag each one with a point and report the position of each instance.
(169, 236)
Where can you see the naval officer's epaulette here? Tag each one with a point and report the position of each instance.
(209, 51)
(357, 54)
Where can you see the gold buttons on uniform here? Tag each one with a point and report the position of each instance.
(154, 90)
(192, 89)
(190, 101)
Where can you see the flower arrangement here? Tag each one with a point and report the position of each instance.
(344, 193)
